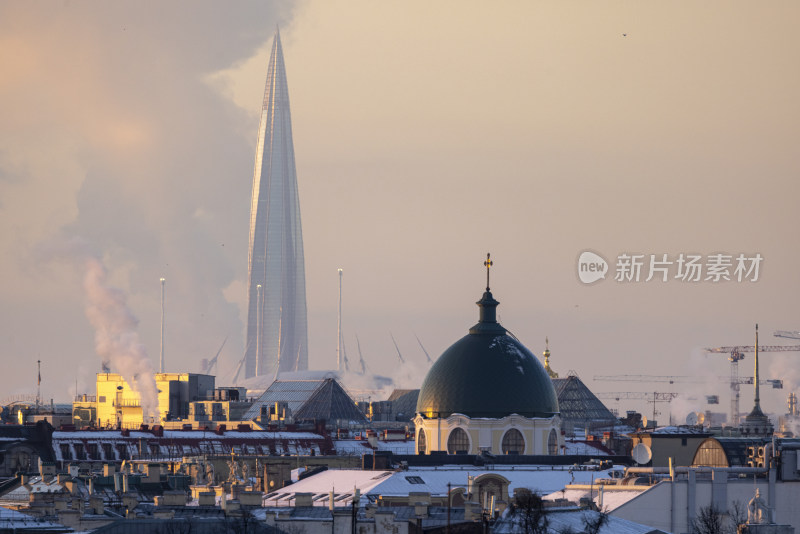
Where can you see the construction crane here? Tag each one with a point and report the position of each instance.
(736, 354)
(402, 360)
(786, 333)
(208, 365)
(361, 358)
(654, 397)
(428, 356)
(776, 384)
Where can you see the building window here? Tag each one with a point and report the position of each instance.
(66, 452)
(415, 480)
(552, 442)
(458, 442)
(108, 452)
(684, 441)
(422, 444)
(513, 442)
(710, 453)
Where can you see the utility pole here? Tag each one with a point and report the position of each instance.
(448, 496)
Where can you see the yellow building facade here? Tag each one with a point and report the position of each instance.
(119, 405)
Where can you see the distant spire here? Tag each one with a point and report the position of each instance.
(756, 423)
(755, 377)
(547, 368)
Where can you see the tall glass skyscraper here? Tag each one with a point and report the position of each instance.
(277, 327)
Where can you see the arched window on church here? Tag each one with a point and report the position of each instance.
(552, 442)
(458, 442)
(422, 444)
(513, 442)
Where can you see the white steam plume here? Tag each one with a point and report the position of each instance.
(116, 339)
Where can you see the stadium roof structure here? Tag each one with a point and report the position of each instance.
(310, 400)
(404, 401)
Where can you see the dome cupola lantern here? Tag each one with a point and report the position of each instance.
(487, 392)
(487, 373)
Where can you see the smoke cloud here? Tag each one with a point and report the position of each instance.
(116, 339)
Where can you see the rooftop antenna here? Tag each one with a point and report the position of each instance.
(397, 349)
(488, 264)
(339, 328)
(163, 284)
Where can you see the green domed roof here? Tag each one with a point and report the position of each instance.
(487, 373)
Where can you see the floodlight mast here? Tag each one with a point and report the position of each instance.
(163, 284)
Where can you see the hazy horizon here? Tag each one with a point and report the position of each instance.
(425, 136)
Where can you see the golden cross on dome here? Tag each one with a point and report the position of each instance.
(488, 264)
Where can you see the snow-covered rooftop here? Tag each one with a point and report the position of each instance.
(351, 447)
(612, 498)
(433, 480)
(680, 430)
(13, 521)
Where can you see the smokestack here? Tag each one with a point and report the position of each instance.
(163, 285)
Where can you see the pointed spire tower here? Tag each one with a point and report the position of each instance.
(546, 355)
(277, 329)
(756, 423)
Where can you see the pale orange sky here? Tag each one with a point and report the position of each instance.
(425, 136)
